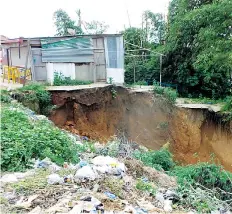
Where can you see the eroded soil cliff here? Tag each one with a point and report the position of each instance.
(194, 134)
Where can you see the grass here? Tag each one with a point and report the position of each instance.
(32, 183)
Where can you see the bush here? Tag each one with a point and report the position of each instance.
(207, 175)
(169, 93)
(37, 93)
(161, 159)
(228, 104)
(5, 98)
(22, 140)
(60, 79)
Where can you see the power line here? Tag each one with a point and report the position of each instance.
(148, 49)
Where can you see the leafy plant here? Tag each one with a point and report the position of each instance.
(160, 159)
(5, 98)
(169, 93)
(22, 140)
(60, 79)
(208, 175)
(37, 93)
(146, 186)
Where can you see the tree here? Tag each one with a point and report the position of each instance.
(154, 26)
(63, 22)
(96, 27)
(199, 47)
(66, 26)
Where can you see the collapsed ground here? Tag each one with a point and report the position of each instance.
(149, 177)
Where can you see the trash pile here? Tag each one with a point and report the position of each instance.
(101, 184)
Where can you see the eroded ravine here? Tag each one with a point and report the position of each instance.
(194, 134)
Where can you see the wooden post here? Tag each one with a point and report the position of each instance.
(160, 69)
(28, 50)
(134, 71)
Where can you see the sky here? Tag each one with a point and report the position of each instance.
(30, 18)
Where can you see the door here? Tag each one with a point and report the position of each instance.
(99, 59)
(40, 72)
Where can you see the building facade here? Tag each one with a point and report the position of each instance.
(95, 58)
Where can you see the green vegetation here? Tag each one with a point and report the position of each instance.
(169, 93)
(60, 79)
(196, 52)
(4, 96)
(146, 186)
(22, 140)
(160, 159)
(36, 93)
(205, 186)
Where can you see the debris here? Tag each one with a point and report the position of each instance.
(68, 179)
(43, 163)
(96, 187)
(110, 195)
(86, 172)
(168, 205)
(54, 179)
(146, 205)
(107, 164)
(9, 178)
(82, 163)
(130, 209)
(36, 210)
(54, 167)
(160, 197)
(91, 203)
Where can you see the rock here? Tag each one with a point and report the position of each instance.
(55, 179)
(168, 205)
(9, 178)
(36, 210)
(86, 172)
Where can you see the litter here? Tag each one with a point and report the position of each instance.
(9, 178)
(110, 195)
(86, 172)
(168, 205)
(55, 179)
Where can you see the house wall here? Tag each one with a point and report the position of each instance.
(15, 59)
(84, 72)
(67, 69)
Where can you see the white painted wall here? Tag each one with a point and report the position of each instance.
(117, 74)
(67, 69)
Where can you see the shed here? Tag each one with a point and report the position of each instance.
(95, 58)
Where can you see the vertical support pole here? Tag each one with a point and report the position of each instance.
(160, 70)
(134, 71)
(25, 72)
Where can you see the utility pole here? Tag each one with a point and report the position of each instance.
(134, 71)
(160, 69)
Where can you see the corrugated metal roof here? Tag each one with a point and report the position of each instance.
(77, 50)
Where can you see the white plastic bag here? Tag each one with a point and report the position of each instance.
(55, 179)
(86, 172)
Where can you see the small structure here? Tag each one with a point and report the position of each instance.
(95, 58)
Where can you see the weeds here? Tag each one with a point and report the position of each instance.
(169, 93)
(146, 186)
(160, 159)
(60, 79)
(22, 140)
(36, 93)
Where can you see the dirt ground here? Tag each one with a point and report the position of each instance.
(146, 119)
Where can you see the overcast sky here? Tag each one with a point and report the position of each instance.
(30, 18)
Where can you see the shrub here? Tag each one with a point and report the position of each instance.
(228, 104)
(161, 159)
(37, 93)
(207, 175)
(169, 93)
(5, 98)
(60, 79)
(22, 140)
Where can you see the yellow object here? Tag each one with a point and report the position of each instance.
(13, 73)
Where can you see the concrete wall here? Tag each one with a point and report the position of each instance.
(84, 72)
(117, 75)
(67, 69)
(15, 60)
